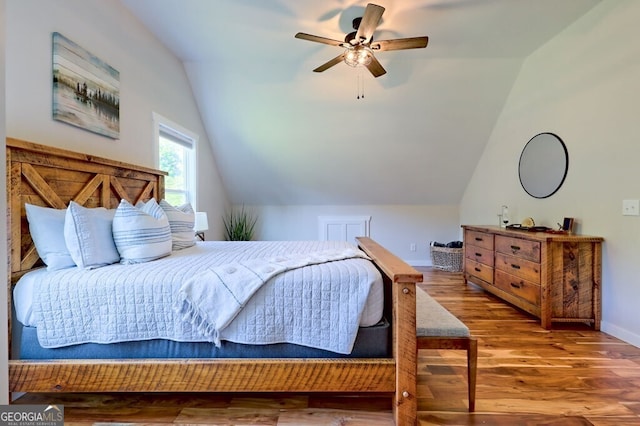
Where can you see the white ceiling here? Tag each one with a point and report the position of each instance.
(282, 134)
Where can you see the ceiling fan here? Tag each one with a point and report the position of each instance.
(359, 45)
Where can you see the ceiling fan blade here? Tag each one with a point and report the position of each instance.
(400, 43)
(318, 39)
(369, 23)
(331, 63)
(376, 68)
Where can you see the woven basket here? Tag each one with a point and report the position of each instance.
(446, 259)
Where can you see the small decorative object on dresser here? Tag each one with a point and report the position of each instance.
(567, 224)
(504, 215)
(555, 277)
(528, 222)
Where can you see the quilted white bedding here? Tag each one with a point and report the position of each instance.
(319, 305)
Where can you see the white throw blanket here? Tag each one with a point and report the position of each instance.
(211, 299)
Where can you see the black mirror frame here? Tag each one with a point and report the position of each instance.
(566, 167)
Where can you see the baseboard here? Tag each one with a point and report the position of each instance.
(620, 333)
(419, 262)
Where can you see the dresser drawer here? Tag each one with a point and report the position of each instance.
(524, 249)
(479, 239)
(477, 269)
(479, 254)
(519, 267)
(519, 287)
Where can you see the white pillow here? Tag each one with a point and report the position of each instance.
(141, 234)
(181, 220)
(46, 226)
(87, 233)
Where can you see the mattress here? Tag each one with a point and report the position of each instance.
(185, 263)
(371, 342)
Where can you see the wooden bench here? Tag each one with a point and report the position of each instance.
(437, 328)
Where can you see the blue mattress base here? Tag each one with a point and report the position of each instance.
(371, 342)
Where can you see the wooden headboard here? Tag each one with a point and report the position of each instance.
(51, 177)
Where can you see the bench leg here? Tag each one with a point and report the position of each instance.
(472, 369)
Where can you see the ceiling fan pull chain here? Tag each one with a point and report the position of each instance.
(359, 85)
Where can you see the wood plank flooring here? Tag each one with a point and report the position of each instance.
(570, 375)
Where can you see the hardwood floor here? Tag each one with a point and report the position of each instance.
(570, 375)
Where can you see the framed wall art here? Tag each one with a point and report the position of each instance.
(86, 90)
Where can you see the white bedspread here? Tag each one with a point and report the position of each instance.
(319, 305)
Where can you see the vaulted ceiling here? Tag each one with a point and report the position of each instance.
(282, 134)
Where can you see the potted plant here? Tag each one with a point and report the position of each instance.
(239, 225)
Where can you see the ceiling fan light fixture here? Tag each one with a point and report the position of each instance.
(358, 56)
(359, 45)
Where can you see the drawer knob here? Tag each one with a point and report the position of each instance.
(478, 254)
(477, 269)
(515, 285)
(478, 239)
(515, 249)
(515, 266)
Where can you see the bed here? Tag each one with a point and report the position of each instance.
(46, 176)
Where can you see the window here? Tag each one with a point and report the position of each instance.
(176, 150)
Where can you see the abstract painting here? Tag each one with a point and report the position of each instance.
(86, 90)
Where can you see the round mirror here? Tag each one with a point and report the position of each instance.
(543, 165)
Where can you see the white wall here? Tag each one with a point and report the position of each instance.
(4, 349)
(151, 80)
(395, 227)
(583, 85)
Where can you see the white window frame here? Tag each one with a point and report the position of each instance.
(186, 137)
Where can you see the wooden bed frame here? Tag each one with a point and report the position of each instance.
(51, 177)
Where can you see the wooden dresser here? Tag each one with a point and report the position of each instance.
(555, 277)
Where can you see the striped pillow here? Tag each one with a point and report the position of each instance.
(181, 220)
(141, 234)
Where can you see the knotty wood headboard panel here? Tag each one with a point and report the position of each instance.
(51, 177)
